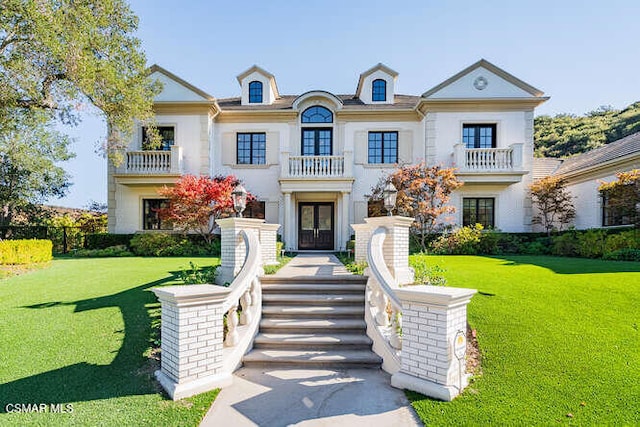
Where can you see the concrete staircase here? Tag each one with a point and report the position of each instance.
(313, 322)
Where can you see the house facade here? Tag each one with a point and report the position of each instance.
(311, 159)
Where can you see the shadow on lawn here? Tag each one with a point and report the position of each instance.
(130, 372)
(566, 265)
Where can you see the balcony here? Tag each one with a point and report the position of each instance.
(489, 165)
(153, 167)
(317, 173)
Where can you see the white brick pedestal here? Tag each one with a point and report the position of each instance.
(363, 234)
(192, 328)
(396, 245)
(431, 317)
(268, 238)
(233, 249)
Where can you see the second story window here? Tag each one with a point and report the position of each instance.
(383, 147)
(479, 135)
(379, 90)
(167, 138)
(252, 148)
(255, 92)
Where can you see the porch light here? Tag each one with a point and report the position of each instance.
(389, 193)
(239, 195)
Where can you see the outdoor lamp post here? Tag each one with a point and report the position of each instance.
(239, 195)
(389, 194)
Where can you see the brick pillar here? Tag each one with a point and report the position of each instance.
(363, 234)
(192, 333)
(233, 249)
(431, 318)
(396, 245)
(268, 238)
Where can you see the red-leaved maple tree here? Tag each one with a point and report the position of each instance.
(423, 194)
(195, 202)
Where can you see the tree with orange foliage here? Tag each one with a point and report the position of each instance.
(195, 202)
(554, 203)
(423, 193)
(623, 195)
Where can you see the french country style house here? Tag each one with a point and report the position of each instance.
(311, 158)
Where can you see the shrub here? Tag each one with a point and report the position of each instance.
(463, 241)
(198, 275)
(565, 244)
(488, 243)
(25, 251)
(623, 255)
(106, 240)
(164, 244)
(279, 246)
(427, 274)
(624, 240)
(591, 243)
(541, 246)
(111, 251)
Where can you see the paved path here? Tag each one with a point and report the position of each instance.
(305, 397)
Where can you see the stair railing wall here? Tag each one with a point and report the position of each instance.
(196, 354)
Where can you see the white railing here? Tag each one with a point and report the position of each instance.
(316, 166)
(245, 292)
(384, 309)
(148, 161)
(153, 162)
(488, 159)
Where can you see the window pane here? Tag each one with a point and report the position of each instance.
(167, 138)
(255, 92)
(375, 147)
(324, 143)
(379, 90)
(478, 211)
(150, 218)
(308, 142)
(317, 114)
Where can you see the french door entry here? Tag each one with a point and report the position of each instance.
(315, 230)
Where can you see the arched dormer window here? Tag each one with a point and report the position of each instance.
(379, 90)
(317, 114)
(255, 92)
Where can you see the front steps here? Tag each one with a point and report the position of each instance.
(313, 322)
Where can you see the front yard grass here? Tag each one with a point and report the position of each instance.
(80, 332)
(559, 338)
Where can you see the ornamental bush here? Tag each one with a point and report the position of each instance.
(165, 244)
(106, 240)
(25, 251)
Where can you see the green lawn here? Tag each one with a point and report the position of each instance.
(560, 342)
(79, 332)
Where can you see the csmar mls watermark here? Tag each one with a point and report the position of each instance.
(50, 408)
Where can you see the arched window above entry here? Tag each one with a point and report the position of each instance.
(317, 114)
(379, 90)
(255, 92)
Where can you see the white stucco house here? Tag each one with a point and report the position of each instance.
(583, 175)
(311, 158)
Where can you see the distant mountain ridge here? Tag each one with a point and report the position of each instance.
(565, 135)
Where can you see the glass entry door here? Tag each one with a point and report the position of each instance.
(317, 142)
(315, 230)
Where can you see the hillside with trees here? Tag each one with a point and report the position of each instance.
(565, 135)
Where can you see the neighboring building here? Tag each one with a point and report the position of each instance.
(585, 172)
(311, 158)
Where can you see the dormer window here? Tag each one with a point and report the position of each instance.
(317, 114)
(379, 90)
(255, 92)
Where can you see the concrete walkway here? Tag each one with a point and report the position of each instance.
(321, 397)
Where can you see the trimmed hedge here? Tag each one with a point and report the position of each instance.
(106, 240)
(25, 251)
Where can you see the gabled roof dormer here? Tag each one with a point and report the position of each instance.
(377, 85)
(174, 89)
(258, 87)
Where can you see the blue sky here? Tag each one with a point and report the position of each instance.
(583, 54)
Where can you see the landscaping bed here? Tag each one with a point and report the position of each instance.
(559, 339)
(82, 332)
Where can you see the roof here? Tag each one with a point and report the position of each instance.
(627, 146)
(544, 166)
(156, 68)
(350, 102)
(495, 70)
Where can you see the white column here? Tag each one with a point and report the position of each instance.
(434, 326)
(233, 249)
(287, 222)
(345, 220)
